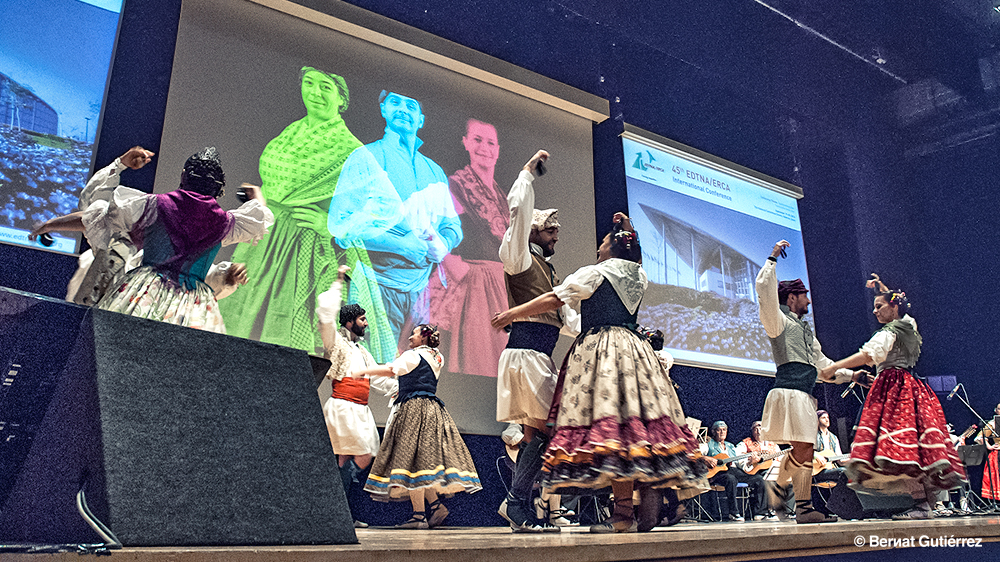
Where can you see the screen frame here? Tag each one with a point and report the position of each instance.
(721, 165)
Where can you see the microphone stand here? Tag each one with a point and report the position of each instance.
(987, 471)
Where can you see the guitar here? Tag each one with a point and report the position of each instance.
(824, 460)
(724, 460)
(766, 461)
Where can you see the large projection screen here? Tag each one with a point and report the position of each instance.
(236, 85)
(706, 227)
(54, 61)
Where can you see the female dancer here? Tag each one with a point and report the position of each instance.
(180, 232)
(422, 455)
(617, 419)
(902, 444)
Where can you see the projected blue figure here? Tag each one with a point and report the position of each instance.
(404, 256)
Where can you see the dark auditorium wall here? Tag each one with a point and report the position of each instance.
(732, 79)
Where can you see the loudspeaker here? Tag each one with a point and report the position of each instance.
(178, 436)
(853, 504)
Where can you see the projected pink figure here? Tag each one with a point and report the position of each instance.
(473, 271)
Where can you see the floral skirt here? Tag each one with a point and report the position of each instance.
(616, 416)
(422, 448)
(147, 294)
(902, 442)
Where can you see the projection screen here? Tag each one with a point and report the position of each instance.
(706, 226)
(238, 84)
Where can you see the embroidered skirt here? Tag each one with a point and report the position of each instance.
(617, 416)
(902, 442)
(421, 448)
(147, 294)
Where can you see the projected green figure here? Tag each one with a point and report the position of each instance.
(313, 160)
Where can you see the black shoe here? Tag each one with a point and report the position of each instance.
(546, 526)
(518, 514)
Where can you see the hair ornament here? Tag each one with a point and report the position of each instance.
(626, 239)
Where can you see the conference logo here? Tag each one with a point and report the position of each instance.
(644, 161)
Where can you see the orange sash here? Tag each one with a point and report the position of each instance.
(352, 390)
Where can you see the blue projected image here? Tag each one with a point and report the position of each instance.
(705, 235)
(54, 60)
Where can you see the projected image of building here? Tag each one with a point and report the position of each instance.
(683, 255)
(20, 109)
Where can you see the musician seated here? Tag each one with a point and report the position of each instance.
(827, 459)
(764, 460)
(726, 472)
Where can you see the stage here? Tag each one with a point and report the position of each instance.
(686, 541)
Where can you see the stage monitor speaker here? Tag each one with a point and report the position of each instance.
(851, 504)
(178, 437)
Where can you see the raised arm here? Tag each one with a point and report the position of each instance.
(514, 252)
(327, 309)
(767, 293)
(103, 183)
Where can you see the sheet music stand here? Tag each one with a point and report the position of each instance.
(971, 455)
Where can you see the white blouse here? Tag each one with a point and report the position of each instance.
(130, 208)
(410, 359)
(878, 347)
(628, 279)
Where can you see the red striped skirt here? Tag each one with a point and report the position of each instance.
(902, 440)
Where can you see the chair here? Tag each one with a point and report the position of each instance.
(743, 498)
(698, 510)
(828, 486)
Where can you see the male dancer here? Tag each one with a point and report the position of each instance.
(790, 410)
(349, 420)
(526, 375)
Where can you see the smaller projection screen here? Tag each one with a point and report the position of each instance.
(54, 61)
(706, 227)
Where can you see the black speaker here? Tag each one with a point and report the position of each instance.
(852, 504)
(177, 436)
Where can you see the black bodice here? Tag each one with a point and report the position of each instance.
(605, 308)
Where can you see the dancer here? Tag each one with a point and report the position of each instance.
(423, 455)
(618, 421)
(902, 444)
(526, 375)
(790, 410)
(180, 233)
(349, 420)
(98, 271)
(470, 281)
